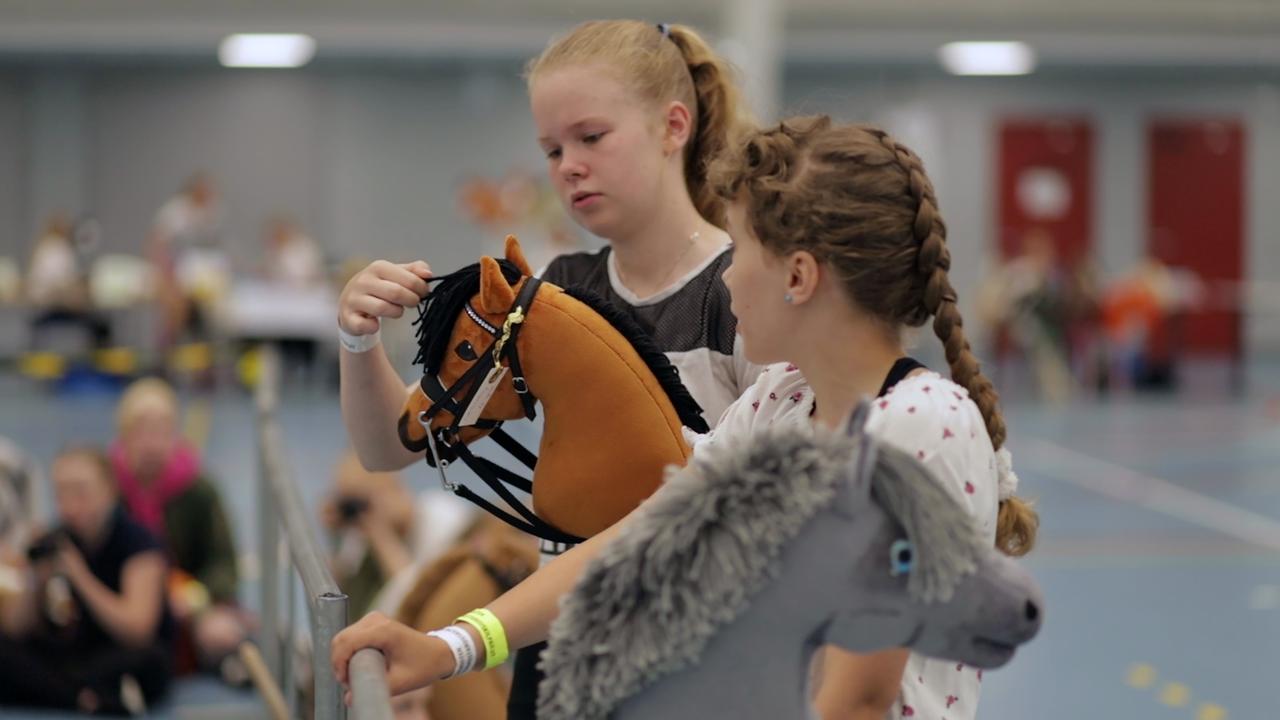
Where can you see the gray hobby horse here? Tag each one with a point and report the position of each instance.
(713, 600)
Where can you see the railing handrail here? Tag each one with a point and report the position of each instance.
(304, 545)
(370, 699)
(326, 603)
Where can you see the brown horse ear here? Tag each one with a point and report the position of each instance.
(516, 255)
(496, 296)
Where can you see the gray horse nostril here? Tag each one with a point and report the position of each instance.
(1033, 612)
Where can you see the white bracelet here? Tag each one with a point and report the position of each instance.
(359, 343)
(465, 653)
(462, 645)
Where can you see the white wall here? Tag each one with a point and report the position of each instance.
(401, 144)
(369, 158)
(255, 133)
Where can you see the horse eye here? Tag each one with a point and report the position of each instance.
(901, 558)
(465, 351)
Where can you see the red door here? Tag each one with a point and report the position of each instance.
(1046, 171)
(1195, 219)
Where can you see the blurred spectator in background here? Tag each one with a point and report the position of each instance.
(293, 258)
(166, 490)
(186, 247)
(384, 537)
(1028, 303)
(55, 278)
(57, 286)
(1142, 314)
(21, 490)
(371, 518)
(294, 266)
(89, 629)
(1086, 339)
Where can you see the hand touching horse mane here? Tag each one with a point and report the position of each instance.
(493, 341)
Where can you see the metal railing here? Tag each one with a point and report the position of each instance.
(280, 505)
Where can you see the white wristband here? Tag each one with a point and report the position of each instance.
(462, 645)
(359, 343)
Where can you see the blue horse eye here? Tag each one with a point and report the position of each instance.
(901, 557)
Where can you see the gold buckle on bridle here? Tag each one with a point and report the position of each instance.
(515, 317)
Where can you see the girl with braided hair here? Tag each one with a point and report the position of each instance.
(839, 249)
(848, 218)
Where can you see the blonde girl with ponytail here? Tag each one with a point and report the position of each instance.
(630, 116)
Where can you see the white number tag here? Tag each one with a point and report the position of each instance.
(488, 386)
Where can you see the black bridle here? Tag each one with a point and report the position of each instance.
(444, 444)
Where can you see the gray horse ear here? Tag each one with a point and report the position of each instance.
(858, 418)
(864, 453)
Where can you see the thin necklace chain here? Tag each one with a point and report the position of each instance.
(693, 240)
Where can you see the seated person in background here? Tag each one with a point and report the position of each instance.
(54, 279)
(370, 516)
(385, 537)
(293, 258)
(385, 540)
(1141, 313)
(57, 285)
(164, 487)
(22, 490)
(294, 266)
(186, 248)
(89, 631)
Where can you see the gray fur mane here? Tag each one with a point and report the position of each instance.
(709, 540)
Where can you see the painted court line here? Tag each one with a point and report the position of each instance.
(1116, 481)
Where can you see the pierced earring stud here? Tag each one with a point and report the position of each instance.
(787, 298)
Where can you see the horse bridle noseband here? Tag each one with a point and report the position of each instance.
(444, 444)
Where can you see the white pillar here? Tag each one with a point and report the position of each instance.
(752, 39)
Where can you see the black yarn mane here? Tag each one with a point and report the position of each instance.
(440, 310)
(688, 410)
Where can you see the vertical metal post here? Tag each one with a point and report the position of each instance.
(280, 505)
(369, 697)
(268, 558)
(290, 639)
(328, 618)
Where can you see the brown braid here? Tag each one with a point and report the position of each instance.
(861, 202)
(940, 297)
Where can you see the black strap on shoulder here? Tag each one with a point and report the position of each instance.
(899, 372)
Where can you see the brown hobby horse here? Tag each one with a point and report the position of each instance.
(614, 406)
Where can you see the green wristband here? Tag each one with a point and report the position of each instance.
(492, 633)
